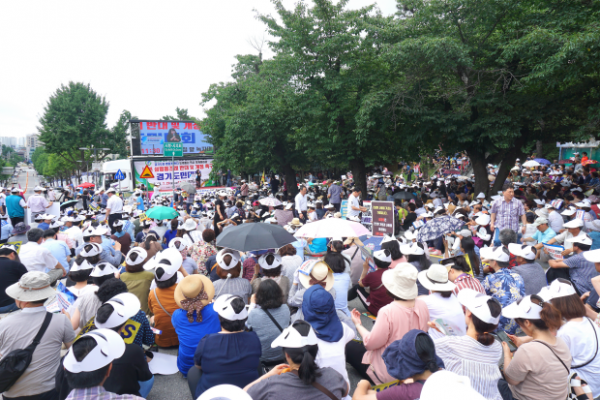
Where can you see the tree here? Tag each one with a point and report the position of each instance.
(75, 117)
(119, 133)
(181, 115)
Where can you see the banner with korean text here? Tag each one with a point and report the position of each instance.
(152, 172)
(154, 134)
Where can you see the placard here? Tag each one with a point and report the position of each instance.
(554, 251)
(383, 218)
(344, 208)
(418, 224)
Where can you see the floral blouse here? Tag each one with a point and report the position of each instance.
(507, 287)
(200, 253)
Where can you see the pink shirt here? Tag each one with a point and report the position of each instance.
(396, 262)
(393, 322)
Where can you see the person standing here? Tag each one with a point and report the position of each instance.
(275, 185)
(301, 205)
(334, 194)
(38, 203)
(18, 332)
(244, 190)
(15, 207)
(114, 208)
(354, 207)
(219, 212)
(506, 213)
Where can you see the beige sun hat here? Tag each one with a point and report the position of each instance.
(191, 286)
(33, 286)
(401, 281)
(320, 272)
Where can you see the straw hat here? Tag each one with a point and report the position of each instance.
(191, 286)
(295, 222)
(321, 273)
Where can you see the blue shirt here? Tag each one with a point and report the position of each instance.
(7, 229)
(190, 334)
(104, 197)
(144, 335)
(507, 287)
(59, 250)
(227, 359)
(140, 203)
(581, 272)
(543, 237)
(341, 284)
(335, 191)
(595, 236)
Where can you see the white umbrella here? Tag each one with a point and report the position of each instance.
(332, 227)
(531, 164)
(270, 201)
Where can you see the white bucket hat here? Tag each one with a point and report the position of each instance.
(235, 259)
(225, 310)
(264, 264)
(189, 225)
(401, 281)
(292, 339)
(125, 306)
(522, 250)
(524, 308)
(498, 253)
(557, 289)
(435, 278)
(109, 347)
(33, 286)
(483, 220)
(476, 302)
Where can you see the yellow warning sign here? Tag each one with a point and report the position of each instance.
(146, 173)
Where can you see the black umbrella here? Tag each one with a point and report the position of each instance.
(255, 236)
(404, 195)
(70, 203)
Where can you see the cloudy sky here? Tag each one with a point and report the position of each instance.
(148, 57)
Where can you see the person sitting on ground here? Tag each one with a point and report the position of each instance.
(319, 311)
(229, 268)
(538, 369)
(195, 317)
(575, 268)
(534, 276)
(202, 251)
(340, 266)
(404, 313)
(89, 363)
(271, 268)
(444, 308)
(12, 271)
(78, 275)
(300, 375)
(131, 374)
(138, 280)
(230, 356)
(86, 305)
(161, 300)
(504, 285)
(290, 261)
(390, 243)
(378, 297)
(37, 258)
(268, 316)
(19, 329)
(458, 273)
(121, 236)
(467, 248)
(412, 358)
(477, 353)
(417, 257)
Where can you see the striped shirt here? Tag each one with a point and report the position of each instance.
(99, 393)
(466, 281)
(236, 286)
(465, 356)
(581, 272)
(507, 213)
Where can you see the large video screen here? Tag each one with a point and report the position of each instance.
(152, 135)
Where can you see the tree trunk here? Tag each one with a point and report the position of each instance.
(539, 150)
(482, 183)
(359, 173)
(424, 168)
(290, 180)
(503, 171)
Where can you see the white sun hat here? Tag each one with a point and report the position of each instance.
(103, 269)
(125, 306)
(81, 267)
(235, 259)
(477, 303)
(558, 288)
(90, 250)
(225, 310)
(483, 220)
(435, 278)
(292, 339)
(136, 256)
(574, 223)
(383, 255)
(569, 211)
(525, 309)
(401, 281)
(412, 248)
(189, 225)
(448, 385)
(498, 253)
(522, 250)
(264, 264)
(592, 255)
(225, 392)
(109, 347)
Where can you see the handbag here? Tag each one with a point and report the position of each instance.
(16, 362)
(570, 391)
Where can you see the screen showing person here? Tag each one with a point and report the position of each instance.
(173, 136)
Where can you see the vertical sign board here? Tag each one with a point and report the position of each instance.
(383, 218)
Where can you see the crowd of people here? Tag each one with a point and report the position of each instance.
(502, 306)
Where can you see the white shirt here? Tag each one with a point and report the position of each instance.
(75, 234)
(301, 204)
(438, 202)
(36, 258)
(333, 354)
(448, 310)
(555, 220)
(353, 202)
(37, 203)
(115, 204)
(582, 343)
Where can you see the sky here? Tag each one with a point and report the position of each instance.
(148, 57)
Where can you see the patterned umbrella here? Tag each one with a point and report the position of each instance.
(439, 226)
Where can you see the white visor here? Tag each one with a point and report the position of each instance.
(477, 303)
(522, 250)
(383, 255)
(526, 309)
(557, 289)
(292, 339)
(264, 264)
(110, 346)
(138, 258)
(494, 253)
(223, 307)
(90, 250)
(125, 306)
(235, 259)
(103, 269)
(80, 267)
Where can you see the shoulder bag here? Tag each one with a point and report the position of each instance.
(273, 319)
(17, 361)
(319, 387)
(158, 301)
(595, 354)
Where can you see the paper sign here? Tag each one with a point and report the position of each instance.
(344, 208)
(366, 253)
(64, 296)
(418, 224)
(163, 364)
(444, 327)
(306, 267)
(554, 251)
(580, 214)
(16, 244)
(557, 204)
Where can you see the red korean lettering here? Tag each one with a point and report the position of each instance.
(175, 125)
(151, 126)
(163, 125)
(189, 125)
